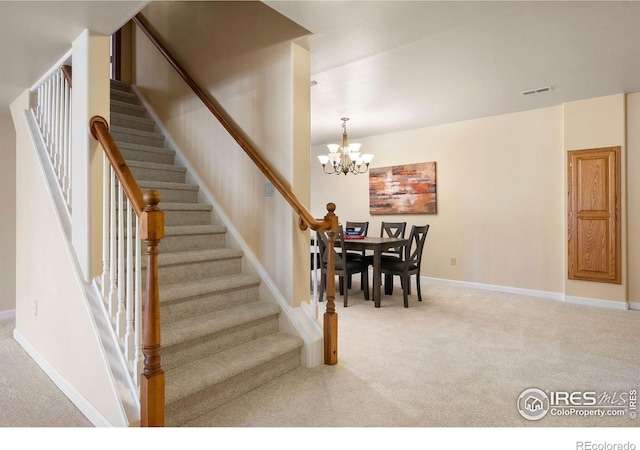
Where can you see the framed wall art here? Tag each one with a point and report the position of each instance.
(404, 189)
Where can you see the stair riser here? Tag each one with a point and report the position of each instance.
(191, 242)
(133, 124)
(125, 97)
(141, 155)
(115, 86)
(128, 109)
(171, 176)
(176, 195)
(198, 305)
(189, 351)
(175, 218)
(151, 141)
(197, 270)
(183, 410)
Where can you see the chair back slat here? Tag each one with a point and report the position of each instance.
(393, 230)
(413, 250)
(360, 227)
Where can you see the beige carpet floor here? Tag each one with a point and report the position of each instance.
(460, 358)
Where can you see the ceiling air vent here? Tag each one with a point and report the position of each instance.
(536, 91)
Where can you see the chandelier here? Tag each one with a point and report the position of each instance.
(345, 158)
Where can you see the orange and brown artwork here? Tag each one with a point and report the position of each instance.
(406, 189)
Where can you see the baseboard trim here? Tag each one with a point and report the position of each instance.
(86, 408)
(497, 288)
(9, 314)
(596, 302)
(558, 296)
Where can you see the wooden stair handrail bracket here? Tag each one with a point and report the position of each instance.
(330, 221)
(152, 400)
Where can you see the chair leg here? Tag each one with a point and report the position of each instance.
(405, 291)
(418, 287)
(350, 281)
(341, 285)
(323, 281)
(365, 282)
(346, 293)
(388, 284)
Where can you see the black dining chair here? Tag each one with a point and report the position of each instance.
(408, 264)
(390, 230)
(361, 228)
(345, 267)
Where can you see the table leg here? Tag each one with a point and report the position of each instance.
(376, 276)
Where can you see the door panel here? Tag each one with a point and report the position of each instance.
(594, 215)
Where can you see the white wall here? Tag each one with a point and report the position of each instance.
(499, 191)
(595, 123)
(244, 56)
(60, 334)
(7, 215)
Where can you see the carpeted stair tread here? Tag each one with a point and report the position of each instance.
(203, 286)
(144, 148)
(174, 258)
(159, 185)
(131, 131)
(188, 230)
(185, 207)
(120, 86)
(157, 166)
(123, 96)
(195, 328)
(211, 370)
(129, 118)
(127, 105)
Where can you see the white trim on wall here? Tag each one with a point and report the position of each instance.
(85, 407)
(596, 302)
(497, 288)
(559, 296)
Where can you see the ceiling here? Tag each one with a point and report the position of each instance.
(35, 35)
(392, 65)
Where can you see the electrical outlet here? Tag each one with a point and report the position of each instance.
(35, 307)
(453, 261)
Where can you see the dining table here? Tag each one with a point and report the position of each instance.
(378, 245)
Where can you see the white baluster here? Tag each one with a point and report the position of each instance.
(138, 362)
(120, 315)
(113, 277)
(69, 155)
(105, 226)
(66, 181)
(129, 335)
(55, 149)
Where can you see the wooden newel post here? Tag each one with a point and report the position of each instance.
(152, 377)
(330, 316)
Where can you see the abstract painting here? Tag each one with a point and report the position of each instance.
(405, 189)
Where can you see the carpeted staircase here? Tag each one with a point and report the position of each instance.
(219, 340)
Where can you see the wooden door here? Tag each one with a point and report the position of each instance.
(594, 215)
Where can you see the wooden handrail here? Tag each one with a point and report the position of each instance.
(328, 223)
(66, 71)
(151, 231)
(306, 218)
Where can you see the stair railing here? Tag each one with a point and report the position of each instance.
(330, 220)
(53, 115)
(137, 326)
